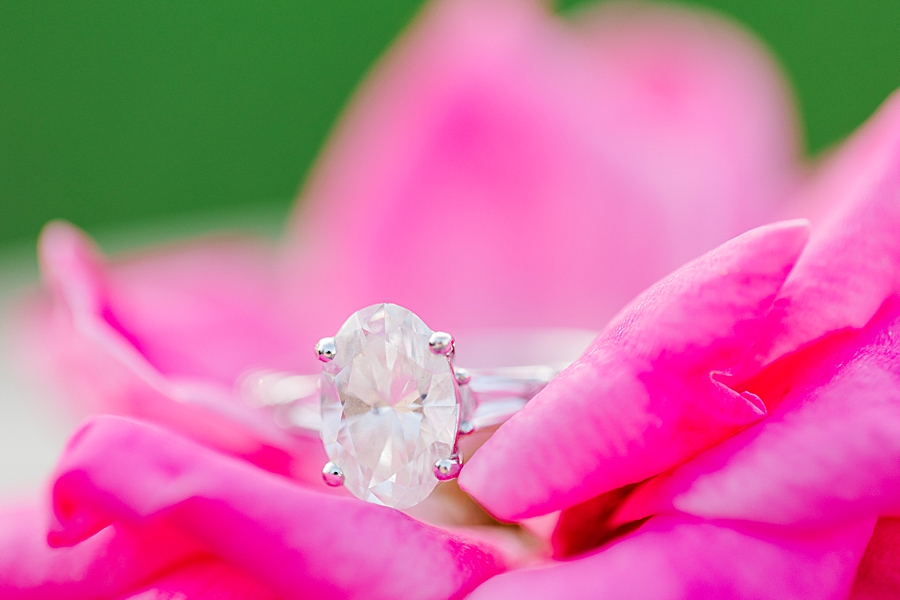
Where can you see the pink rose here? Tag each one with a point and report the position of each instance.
(732, 432)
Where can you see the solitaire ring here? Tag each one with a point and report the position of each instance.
(391, 406)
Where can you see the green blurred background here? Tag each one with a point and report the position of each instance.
(119, 112)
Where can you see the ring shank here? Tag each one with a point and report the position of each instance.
(489, 397)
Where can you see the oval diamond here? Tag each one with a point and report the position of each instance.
(389, 406)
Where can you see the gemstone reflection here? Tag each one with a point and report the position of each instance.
(389, 406)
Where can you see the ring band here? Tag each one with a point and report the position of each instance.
(390, 406)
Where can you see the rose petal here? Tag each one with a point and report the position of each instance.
(204, 580)
(828, 453)
(645, 396)
(298, 542)
(878, 577)
(852, 263)
(160, 336)
(585, 526)
(107, 565)
(208, 309)
(505, 168)
(676, 558)
(689, 81)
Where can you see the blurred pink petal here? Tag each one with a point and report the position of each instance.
(830, 452)
(878, 577)
(503, 167)
(298, 542)
(852, 263)
(674, 558)
(108, 565)
(207, 309)
(165, 336)
(646, 395)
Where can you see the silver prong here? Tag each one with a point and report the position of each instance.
(448, 468)
(462, 375)
(441, 342)
(325, 349)
(466, 427)
(332, 475)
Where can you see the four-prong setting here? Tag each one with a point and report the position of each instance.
(333, 475)
(441, 343)
(390, 405)
(326, 349)
(394, 408)
(448, 468)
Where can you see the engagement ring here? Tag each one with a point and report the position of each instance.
(391, 407)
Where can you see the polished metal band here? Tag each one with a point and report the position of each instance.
(488, 395)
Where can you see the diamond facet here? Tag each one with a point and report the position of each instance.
(390, 408)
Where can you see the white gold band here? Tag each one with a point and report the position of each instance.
(488, 396)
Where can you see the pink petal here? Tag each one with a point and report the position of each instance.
(204, 580)
(829, 452)
(585, 526)
(646, 395)
(688, 80)
(677, 558)
(852, 263)
(298, 542)
(208, 309)
(114, 561)
(505, 168)
(165, 336)
(878, 577)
